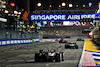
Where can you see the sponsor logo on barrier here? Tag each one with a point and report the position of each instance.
(15, 41)
(8, 42)
(77, 23)
(0, 42)
(3, 42)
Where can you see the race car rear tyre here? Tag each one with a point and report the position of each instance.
(57, 58)
(62, 56)
(76, 47)
(60, 42)
(66, 47)
(37, 57)
(41, 51)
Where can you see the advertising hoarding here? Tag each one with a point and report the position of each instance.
(62, 17)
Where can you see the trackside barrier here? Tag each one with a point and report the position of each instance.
(17, 41)
(35, 40)
(47, 40)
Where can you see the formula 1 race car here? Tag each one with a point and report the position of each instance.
(80, 39)
(49, 55)
(62, 41)
(71, 45)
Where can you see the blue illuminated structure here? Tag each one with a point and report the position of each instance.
(62, 17)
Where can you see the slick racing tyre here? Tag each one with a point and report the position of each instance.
(57, 57)
(76, 47)
(37, 57)
(66, 46)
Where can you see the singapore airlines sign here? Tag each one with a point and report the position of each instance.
(62, 17)
(48, 17)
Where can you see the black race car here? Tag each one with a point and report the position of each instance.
(71, 45)
(49, 55)
(80, 39)
(62, 41)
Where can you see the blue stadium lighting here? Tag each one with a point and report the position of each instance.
(90, 4)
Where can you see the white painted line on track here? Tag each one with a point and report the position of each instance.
(34, 64)
(96, 57)
(96, 53)
(80, 63)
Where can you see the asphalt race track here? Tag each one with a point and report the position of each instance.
(23, 55)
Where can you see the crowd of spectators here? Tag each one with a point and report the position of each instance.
(63, 31)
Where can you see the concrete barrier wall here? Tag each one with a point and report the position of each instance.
(7, 42)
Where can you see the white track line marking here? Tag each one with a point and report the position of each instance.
(80, 63)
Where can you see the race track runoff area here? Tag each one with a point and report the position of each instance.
(91, 55)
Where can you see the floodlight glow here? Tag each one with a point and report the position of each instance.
(59, 5)
(70, 5)
(83, 5)
(3, 19)
(90, 33)
(6, 11)
(76, 5)
(63, 4)
(50, 6)
(19, 12)
(15, 12)
(90, 4)
(39, 4)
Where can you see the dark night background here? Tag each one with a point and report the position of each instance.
(22, 4)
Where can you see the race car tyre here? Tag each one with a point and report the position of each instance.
(57, 58)
(60, 42)
(66, 46)
(41, 51)
(76, 47)
(62, 56)
(37, 57)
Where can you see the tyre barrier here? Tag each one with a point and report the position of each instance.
(7, 42)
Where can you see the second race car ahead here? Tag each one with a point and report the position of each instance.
(62, 41)
(71, 45)
(80, 39)
(49, 55)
